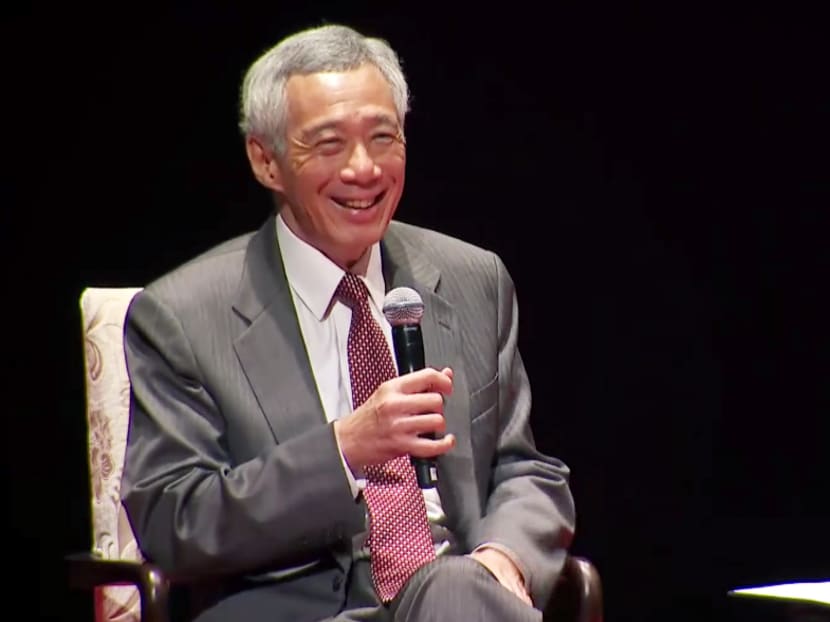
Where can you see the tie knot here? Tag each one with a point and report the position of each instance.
(351, 290)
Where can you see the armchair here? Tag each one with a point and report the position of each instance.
(125, 586)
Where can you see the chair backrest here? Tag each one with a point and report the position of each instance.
(107, 415)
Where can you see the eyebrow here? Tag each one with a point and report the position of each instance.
(375, 119)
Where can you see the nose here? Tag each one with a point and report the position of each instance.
(360, 168)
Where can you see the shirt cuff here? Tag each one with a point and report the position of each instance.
(356, 484)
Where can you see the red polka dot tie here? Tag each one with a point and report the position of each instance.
(399, 537)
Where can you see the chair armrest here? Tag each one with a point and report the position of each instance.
(87, 571)
(589, 588)
(577, 596)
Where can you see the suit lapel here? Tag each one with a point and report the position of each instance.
(271, 349)
(406, 266)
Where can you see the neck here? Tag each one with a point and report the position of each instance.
(360, 265)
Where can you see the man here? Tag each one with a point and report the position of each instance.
(262, 436)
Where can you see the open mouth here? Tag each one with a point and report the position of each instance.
(360, 204)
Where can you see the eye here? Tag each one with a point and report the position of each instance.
(329, 146)
(384, 138)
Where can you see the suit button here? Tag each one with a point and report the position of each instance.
(336, 582)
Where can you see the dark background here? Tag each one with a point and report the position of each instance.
(654, 176)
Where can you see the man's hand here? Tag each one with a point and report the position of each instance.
(390, 422)
(504, 570)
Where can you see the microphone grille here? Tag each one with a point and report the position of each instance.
(403, 306)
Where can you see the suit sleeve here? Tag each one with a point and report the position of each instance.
(193, 510)
(530, 509)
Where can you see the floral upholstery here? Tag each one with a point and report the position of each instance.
(107, 404)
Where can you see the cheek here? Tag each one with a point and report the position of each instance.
(396, 166)
(315, 181)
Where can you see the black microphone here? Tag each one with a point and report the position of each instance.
(404, 309)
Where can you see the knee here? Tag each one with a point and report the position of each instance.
(459, 588)
(453, 571)
(448, 577)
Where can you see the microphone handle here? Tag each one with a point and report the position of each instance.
(426, 470)
(409, 354)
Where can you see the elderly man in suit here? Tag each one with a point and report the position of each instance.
(256, 446)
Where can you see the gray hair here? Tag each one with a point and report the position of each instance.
(325, 48)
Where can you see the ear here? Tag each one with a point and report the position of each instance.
(264, 164)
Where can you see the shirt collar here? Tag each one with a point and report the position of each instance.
(314, 277)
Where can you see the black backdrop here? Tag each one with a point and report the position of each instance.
(655, 178)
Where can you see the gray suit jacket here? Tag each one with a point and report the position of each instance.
(233, 471)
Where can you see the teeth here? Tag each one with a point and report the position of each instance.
(358, 204)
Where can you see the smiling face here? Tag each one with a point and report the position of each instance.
(342, 173)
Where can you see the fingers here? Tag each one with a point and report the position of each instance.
(416, 393)
(517, 589)
(427, 423)
(416, 403)
(429, 448)
(425, 380)
(504, 571)
(417, 433)
(398, 418)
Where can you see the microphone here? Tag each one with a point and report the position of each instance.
(404, 309)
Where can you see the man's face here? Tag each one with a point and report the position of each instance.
(342, 173)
